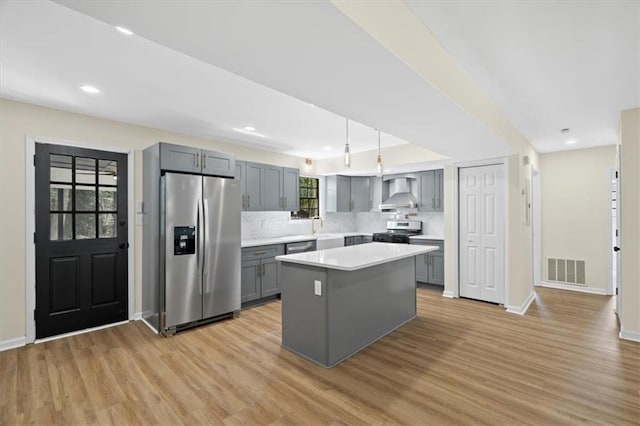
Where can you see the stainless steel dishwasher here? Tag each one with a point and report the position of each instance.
(300, 247)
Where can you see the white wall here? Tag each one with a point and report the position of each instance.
(576, 213)
(630, 210)
(17, 120)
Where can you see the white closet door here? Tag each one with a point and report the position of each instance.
(482, 209)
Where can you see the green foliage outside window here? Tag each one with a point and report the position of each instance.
(309, 199)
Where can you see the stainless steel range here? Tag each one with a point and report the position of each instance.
(399, 231)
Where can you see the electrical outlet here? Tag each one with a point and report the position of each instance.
(317, 288)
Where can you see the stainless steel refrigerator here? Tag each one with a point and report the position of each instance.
(201, 217)
(191, 237)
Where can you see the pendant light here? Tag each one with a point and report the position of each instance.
(379, 158)
(347, 152)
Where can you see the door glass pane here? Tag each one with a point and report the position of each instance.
(61, 226)
(107, 227)
(60, 168)
(85, 226)
(107, 172)
(85, 170)
(60, 197)
(85, 198)
(107, 199)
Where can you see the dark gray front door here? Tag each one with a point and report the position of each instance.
(81, 239)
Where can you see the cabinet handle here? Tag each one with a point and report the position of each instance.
(262, 269)
(204, 161)
(198, 159)
(248, 201)
(261, 252)
(243, 201)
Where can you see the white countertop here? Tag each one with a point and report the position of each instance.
(427, 237)
(361, 256)
(295, 239)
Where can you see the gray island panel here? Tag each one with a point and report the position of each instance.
(355, 309)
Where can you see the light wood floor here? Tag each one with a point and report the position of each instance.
(459, 362)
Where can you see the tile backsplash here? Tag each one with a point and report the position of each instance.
(257, 225)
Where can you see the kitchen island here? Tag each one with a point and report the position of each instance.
(336, 302)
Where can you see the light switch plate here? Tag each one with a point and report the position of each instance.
(317, 288)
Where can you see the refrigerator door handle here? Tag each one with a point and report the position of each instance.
(205, 265)
(200, 255)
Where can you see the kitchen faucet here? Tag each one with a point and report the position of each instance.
(313, 228)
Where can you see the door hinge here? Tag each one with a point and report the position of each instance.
(616, 175)
(616, 232)
(34, 238)
(34, 314)
(616, 291)
(34, 159)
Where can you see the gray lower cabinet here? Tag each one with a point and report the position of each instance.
(188, 159)
(360, 193)
(268, 188)
(430, 266)
(357, 239)
(259, 272)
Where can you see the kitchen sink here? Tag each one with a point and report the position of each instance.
(327, 241)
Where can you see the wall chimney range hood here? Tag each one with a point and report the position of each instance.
(401, 196)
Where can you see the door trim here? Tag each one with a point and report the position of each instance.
(536, 225)
(30, 225)
(504, 162)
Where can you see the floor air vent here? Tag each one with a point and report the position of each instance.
(566, 271)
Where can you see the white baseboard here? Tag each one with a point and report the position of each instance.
(5, 345)
(137, 316)
(522, 309)
(449, 294)
(149, 325)
(634, 336)
(580, 289)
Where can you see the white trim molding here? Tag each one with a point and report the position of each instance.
(522, 309)
(579, 289)
(634, 336)
(449, 294)
(17, 342)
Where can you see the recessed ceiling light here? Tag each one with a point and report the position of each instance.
(327, 148)
(565, 130)
(90, 89)
(124, 30)
(249, 128)
(246, 132)
(570, 141)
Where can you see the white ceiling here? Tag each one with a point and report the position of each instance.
(548, 65)
(204, 68)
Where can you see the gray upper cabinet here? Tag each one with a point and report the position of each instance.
(272, 188)
(338, 193)
(360, 193)
(180, 158)
(254, 181)
(268, 188)
(431, 191)
(188, 159)
(291, 189)
(218, 163)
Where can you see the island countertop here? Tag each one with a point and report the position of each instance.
(353, 258)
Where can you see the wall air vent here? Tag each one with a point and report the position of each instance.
(566, 271)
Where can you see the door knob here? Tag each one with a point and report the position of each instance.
(123, 245)
(616, 248)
